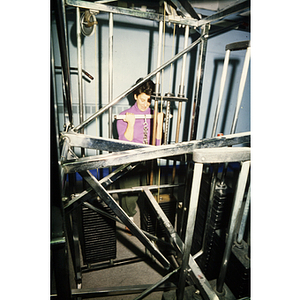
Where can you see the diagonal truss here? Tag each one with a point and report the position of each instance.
(131, 158)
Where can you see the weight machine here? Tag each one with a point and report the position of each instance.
(125, 156)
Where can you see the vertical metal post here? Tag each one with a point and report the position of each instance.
(238, 199)
(241, 89)
(79, 65)
(244, 218)
(222, 86)
(60, 17)
(181, 87)
(180, 94)
(199, 81)
(186, 37)
(157, 89)
(190, 228)
(59, 251)
(110, 72)
(157, 86)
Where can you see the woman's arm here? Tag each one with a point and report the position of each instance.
(130, 119)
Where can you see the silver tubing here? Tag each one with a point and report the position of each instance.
(160, 37)
(127, 92)
(238, 199)
(190, 227)
(186, 37)
(241, 89)
(181, 87)
(222, 86)
(110, 72)
(157, 87)
(181, 91)
(199, 81)
(244, 218)
(79, 65)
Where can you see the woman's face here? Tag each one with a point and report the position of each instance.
(143, 101)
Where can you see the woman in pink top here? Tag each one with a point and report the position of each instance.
(138, 131)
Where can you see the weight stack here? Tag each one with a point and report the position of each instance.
(98, 235)
(210, 260)
(238, 273)
(148, 217)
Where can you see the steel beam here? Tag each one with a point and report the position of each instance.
(132, 12)
(143, 154)
(99, 143)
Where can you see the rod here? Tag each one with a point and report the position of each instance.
(127, 92)
(190, 228)
(186, 37)
(79, 64)
(181, 91)
(76, 69)
(63, 47)
(157, 86)
(110, 72)
(244, 218)
(241, 89)
(122, 117)
(199, 81)
(222, 86)
(157, 93)
(237, 202)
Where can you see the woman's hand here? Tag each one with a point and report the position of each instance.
(130, 119)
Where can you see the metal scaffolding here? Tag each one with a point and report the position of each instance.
(127, 155)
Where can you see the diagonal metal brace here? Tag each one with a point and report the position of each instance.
(148, 153)
(116, 208)
(106, 181)
(194, 270)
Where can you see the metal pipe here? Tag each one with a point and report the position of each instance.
(157, 86)
(199, 81)
(127, 92)
(151, 152)
(79, 65)
(190, 228)
(238, 199)
(181, 87)
(110, 72)
(241, 89)
(181, 91)
(63, 47)
(222, 86)
(186, 37)
(244, 218)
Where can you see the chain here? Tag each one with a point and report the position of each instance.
(145, 136)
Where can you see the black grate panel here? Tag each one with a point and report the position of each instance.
(99, 235)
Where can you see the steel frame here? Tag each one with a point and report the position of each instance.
(129, 154)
